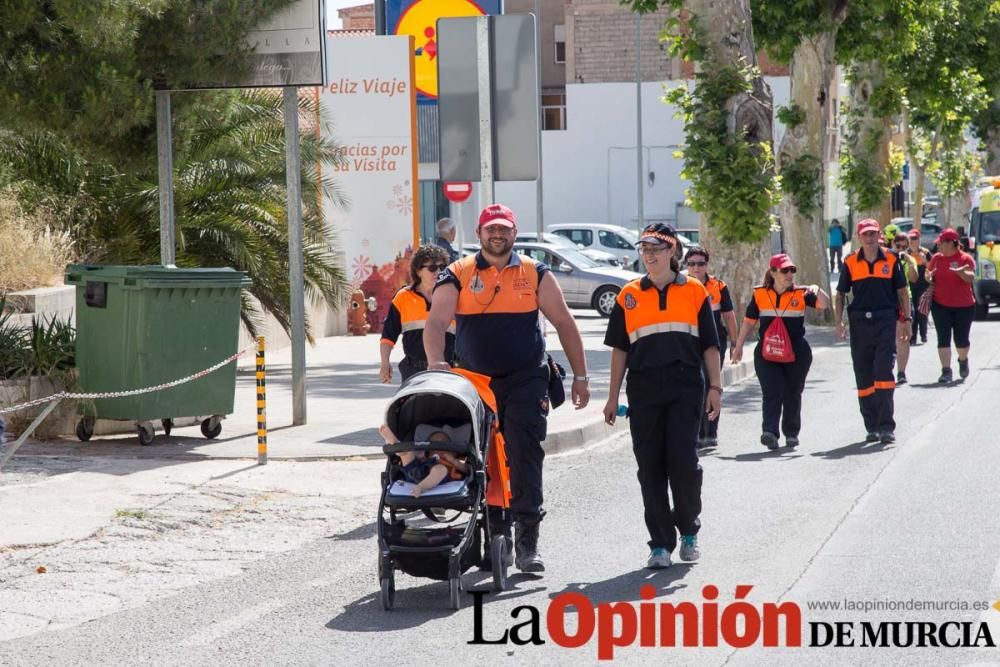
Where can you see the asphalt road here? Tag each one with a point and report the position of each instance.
(832, 521)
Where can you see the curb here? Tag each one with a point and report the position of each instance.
(578, 437)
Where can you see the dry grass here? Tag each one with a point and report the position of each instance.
(33, 251)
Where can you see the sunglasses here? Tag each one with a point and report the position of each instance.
(435, 267)
(656, 249)
(788, 269)
(697, 263)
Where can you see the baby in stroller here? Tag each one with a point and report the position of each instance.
(425, 471)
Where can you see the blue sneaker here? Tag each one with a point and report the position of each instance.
(659, 558)
(689, 548)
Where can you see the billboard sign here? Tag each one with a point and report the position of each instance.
(287, 51)
(370, 105)
(418, 18)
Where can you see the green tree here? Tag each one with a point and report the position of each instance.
(728, 120)
(78, 134)
(803, 34)
(85, 70)
(946, 87)
(230, 195)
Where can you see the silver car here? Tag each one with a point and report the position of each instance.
(599, 256)
(929, 230)
(584, 282)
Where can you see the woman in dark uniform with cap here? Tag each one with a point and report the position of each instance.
(662, 331)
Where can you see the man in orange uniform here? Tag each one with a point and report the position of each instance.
(494, 297)
(879, 313)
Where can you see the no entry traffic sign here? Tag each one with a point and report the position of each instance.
(457, 191)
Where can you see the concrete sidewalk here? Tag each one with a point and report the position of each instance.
(346, 404)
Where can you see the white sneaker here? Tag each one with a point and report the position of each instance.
(659, 558)
(689, 548)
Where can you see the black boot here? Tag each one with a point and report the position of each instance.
(526, 543)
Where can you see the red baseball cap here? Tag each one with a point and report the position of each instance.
(782, 261)
(948, 235)
(913, 234)
(497, 214)
(868, 225)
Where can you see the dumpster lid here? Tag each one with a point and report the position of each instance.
(155, 275)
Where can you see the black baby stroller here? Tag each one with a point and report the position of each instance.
(416, 535)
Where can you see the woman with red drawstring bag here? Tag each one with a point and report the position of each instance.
(783, 356)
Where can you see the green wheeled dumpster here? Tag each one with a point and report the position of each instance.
(142, 326)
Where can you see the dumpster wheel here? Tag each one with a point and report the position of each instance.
(146, 433)
(85, 429)
(211, 427)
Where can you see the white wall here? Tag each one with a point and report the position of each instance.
(590, 168)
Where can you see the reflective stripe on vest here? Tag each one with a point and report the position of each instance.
(663, 327)
(782, 313)
(420, 324)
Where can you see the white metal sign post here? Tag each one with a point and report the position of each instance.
(457, 193)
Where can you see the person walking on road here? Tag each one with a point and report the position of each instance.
(782, 378)
(662, 331)
(696, 262)
(446, 233)
(879, 315)
(900, 243)
(838, 237)
(495, 297)
(921, 257)
(408, 315)
(952, 273)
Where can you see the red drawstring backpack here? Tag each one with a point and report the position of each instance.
(776, 344)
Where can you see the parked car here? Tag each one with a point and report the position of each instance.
(600, 256)
(929, 230)
(614, 238)
(584, 282)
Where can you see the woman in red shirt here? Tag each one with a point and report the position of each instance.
(952, 271)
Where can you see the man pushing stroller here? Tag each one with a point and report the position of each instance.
(494, 298)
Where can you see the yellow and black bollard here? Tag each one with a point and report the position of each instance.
(261, 405)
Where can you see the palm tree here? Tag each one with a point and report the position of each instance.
(229, 188)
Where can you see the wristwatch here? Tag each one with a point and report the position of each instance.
(717, 388)
(905, 319)
(581, 378)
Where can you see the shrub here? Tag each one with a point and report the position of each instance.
(46, 348)
(33, 250)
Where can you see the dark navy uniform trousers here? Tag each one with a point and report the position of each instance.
(873, 352)
(664, 413)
